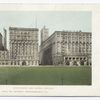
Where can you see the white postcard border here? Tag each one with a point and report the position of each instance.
(61, 90)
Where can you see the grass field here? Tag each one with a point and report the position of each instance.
(45, 75)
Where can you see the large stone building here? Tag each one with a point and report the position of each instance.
(65, 47)
(24, 46)
(62, 47)
(4, 53)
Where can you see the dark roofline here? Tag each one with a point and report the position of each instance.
(73, 31)
(23, 28)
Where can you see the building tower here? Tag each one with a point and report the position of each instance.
(5, 38)
(44, 34)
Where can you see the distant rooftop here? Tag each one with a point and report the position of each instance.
(23, 28)
(67, 31)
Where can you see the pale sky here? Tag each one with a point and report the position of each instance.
(54, 20)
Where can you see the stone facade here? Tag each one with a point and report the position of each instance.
(24, 46)
(67, 48)
(5, 57)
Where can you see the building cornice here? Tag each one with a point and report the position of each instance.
(23, 29)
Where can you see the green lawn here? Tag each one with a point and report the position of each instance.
(45, 75)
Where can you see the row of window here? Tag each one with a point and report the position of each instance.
(25, 57)
(24, 63)
(18, 63)
(74, 42)
(22, 33)
(73, 36)
(77, 58)
(23, 38)
(76, 50)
